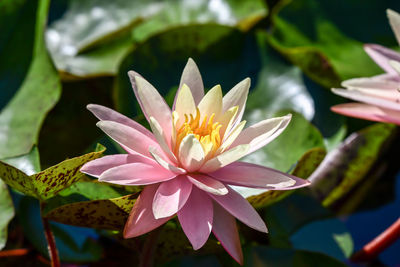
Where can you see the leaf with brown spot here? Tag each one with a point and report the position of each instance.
(46, 184)
(110, 214)
(6, 211)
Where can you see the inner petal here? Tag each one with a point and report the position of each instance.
(206, 131)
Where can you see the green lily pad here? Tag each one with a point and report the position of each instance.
(21, 118)
(7, 212)
(46, 184)
(92, 37)
(108, 214)
(313, 35)
(348, 164)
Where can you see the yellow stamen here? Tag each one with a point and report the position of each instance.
(208, 132)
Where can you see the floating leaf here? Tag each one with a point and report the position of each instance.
(92, 37)
(313, 35)
(7, 213)
(347, 165)
(102, 214)
(21, 118)
(49, 182)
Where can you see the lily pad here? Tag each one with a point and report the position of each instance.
(21, 118)
(108, 214)
(47, 183)
(313, 35)
(91, 37)
(7, 212)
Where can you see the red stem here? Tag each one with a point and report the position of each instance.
(14, 252)
(378, 244)
(51, 242)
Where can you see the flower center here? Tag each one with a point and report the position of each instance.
(207, 132)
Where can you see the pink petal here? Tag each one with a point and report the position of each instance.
(237, 96)
(261, 133)
(225, 230)
(163, 163)
(98, 166)
(225, 158)
(107, 114)
(152, 103)
(375, 82)
(361, 96)
(141, 219)
(137, 173)
(381, 55)
(208, 184)
(368, 112)
(239, 207)
(171, 196)
(196, 218)
(192, 78)
(132, 139)
(252, 175)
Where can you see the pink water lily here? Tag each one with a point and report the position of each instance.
(379, 95)
(188, 160)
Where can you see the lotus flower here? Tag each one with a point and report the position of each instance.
(379, 95)
(187, 163)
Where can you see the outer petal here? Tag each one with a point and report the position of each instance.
(136, 174)
(211, 103)
(196, 218)
(208, 184)
(368, 112)
(107, 114)
(237, 96)
(130, 138)
(98, 166)
(381, 82)
(192, 78)
(260, 134)
(236, 205)
(225, 230)
(252, 175)
(225, 158)
(171, 196)
(366, 98)
(394, 20)
(191, 153)
(381, 55)
(141, 219)
(152, 103)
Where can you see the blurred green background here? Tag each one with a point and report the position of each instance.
(59, 56)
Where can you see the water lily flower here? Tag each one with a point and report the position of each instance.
(188, 162)
(379, 95)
